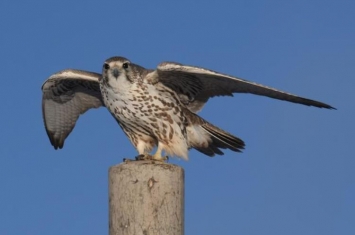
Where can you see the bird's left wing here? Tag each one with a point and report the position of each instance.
(66, 95)
(196, 85)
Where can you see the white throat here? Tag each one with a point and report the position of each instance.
(121, 84)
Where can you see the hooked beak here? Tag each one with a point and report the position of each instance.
(115, 72)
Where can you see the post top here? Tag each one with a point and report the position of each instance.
(146, 163)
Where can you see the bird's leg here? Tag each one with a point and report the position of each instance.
(143, 154)
(157, 156)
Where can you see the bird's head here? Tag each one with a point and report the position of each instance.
(117, 70)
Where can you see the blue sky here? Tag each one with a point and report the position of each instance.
(296, 175)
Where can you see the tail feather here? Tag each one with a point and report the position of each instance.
(223, 139)
(210, 150)
(209, 139)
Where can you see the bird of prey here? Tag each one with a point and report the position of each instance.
(153, 107)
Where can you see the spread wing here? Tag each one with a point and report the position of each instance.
(66, 95)
(196, 85)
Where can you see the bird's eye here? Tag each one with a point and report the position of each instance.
(106, 66)
(125, 65)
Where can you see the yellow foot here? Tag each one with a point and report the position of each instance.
(154, 157)
(142, 157)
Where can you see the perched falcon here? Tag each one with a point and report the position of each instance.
(153, 107)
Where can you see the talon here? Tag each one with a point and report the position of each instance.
(155, 157)
(127, 160)
(160, 158)
(143, 157)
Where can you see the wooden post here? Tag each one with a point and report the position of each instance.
(146, 198)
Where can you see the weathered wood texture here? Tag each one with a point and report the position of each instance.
(146, 199)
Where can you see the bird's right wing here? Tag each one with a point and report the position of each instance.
(66, 95)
